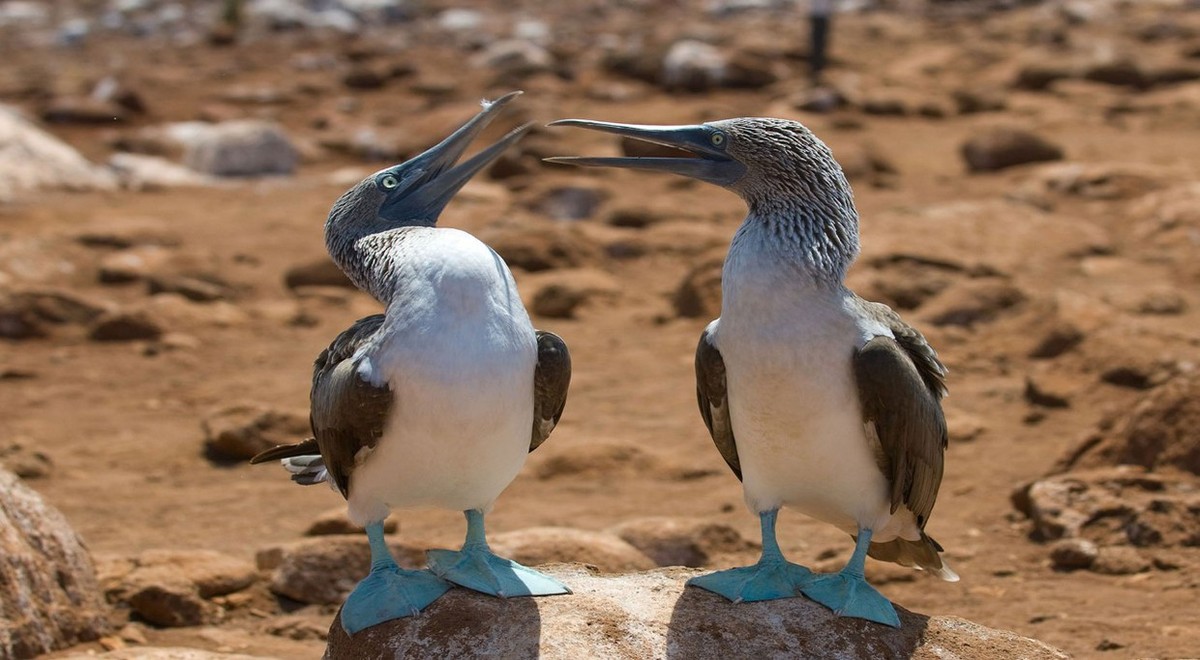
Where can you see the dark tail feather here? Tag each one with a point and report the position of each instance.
(307, 448)
(924, 554)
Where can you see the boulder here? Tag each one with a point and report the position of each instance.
(652, 615)
(49, 596)
(146, 173)
(1001, 147)
(31, 158)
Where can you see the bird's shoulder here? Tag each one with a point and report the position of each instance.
(916, 347)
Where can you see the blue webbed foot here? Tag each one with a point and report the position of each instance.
(848, 594)
(479, 569)
(769, 579)
(390, 593)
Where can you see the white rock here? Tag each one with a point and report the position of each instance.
(31, 158)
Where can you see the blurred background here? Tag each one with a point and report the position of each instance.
(1029, 189)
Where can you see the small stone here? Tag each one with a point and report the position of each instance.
(1059, 338)
(1121, 72)
(25, 462)
(999, 148)
(533, 248)
(973, 301)
(1119, 560)
(681, 541)
(963, 427)
(297, 628)
(196, 289)
(514, 59)
(240, 432)
(1049, 389)
(1040, 75)
(171, 602)
(1072, 554)
(1107, 644)
(126, 326)
(974, 100)
(1162, 302)
(570, 202)
(242, 148)
(335, 521)
(693, 66)
(323, 570)
(133, 634)
(84, 110)
(561, 293)
(133, 264)
(699, 294)
(364, 77)
(633, 217)
(555, 545)
(321, 272)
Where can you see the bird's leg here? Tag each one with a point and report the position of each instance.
(477, 567)
(847, 592)
(771, 578)
(388, 592)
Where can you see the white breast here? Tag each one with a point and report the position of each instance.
(788, 343)
(459, 354)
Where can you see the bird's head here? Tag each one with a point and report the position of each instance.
(414, 192)
(768, 162)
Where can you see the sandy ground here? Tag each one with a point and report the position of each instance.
(122, 424)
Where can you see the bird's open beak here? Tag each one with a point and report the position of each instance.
(432, 178)
(710, 162)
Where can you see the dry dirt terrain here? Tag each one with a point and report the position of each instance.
(1063, 295)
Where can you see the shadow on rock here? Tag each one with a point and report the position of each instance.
(705, 625)
(461, 624)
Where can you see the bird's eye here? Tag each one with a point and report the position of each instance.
(717, 140)
(390, 182)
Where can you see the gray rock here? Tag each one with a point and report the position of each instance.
(693, 66)
(242, 148)
(133, 264)
(324, 570)
(514, 59)
(239, 432)
(570, 202)
(48, 589)
(999, 148)
(652, 615)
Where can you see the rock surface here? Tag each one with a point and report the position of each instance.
(31, 158)
(49, 597)
(651, 615)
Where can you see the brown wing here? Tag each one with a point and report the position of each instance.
(551, 378)
(347, 413)
(714, 400)
(900, 385)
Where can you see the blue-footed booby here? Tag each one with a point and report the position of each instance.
(816, 399)
(438, 400)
